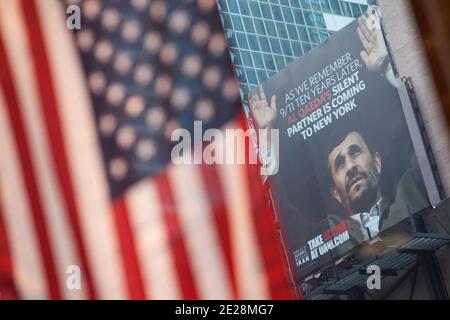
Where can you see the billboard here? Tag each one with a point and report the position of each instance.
(346, 170)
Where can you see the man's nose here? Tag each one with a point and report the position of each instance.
(350, 164)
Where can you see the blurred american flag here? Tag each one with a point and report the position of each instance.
(85, 171)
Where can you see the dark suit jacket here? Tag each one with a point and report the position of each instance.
(410, 194)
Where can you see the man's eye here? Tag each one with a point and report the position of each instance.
(357, 153)
(354, 152)
(339, 164)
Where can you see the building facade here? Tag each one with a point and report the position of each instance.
(267, 35)
(409, 55)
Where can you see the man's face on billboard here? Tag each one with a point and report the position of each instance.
(355, 171)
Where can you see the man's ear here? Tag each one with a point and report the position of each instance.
(377, 159)
(335, 194)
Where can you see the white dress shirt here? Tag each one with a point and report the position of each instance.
(370, 221)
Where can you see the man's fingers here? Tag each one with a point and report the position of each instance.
(370, 22)
(362, 26)
(253, 101)
(273, 103)
(365, 58)
(373, 22)
(250, 99)
(256, 98)
(364, 41)
(262, 94)
(374, 40)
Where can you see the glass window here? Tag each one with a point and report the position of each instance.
(303, 33)
(243, 4)
(262, 75)
(242, 40)
(248, 24)
(282, 32)
(241, 76)
(287, 13)
(268, 60)
(296, 3)
(246, 58)
(336, 7)
(297, 47)
(346, 8)
(279, 62)
(258, 60)
(233, 41)
(325, 6)
(253, 42)
(298, 16)
(270, 27)
(320, 21)
(227, 21)
(232, 5)
(237, 23)
(315, 4)
(286, 48)
(323, 35)
(275, 44)
(266, 11)
(264, 42)
(305, 4)
(254, 7)
(356, 10)
(309, 17)
(266, 35)
(237, 56)
(259, 25)
(306, 46)
(222, 5)
(292, 32)
(289, 59)
(277, 15)
(314, 35)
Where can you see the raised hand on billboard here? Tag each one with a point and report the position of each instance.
(264, 113)
(369, 31)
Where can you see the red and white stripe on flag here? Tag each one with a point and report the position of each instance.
(192, 232)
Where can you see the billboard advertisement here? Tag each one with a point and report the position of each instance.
(346, 170)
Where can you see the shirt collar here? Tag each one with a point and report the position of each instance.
(376, 210)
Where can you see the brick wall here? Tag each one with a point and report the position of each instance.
(406, 46)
